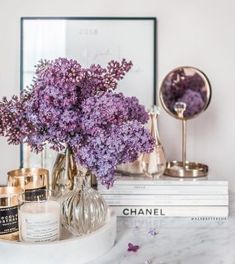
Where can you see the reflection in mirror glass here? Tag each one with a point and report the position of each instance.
(185, 92)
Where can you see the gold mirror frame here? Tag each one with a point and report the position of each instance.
(208, 94)
(184, 168)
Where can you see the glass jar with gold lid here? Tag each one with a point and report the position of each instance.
(33, 181)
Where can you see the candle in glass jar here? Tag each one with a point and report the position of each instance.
(39, 221)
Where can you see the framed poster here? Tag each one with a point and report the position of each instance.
(91, 40)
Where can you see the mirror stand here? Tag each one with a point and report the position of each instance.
(185, 93)
(184, 168)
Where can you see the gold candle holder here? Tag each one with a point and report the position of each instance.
(33, 181)
(9, 197)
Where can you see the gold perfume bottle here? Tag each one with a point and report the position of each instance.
(154, 163)
(32, 180)
(9, 197)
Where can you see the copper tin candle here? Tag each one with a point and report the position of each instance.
(9, 197)
(32, 180)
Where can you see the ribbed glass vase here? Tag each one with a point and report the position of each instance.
(83, 209)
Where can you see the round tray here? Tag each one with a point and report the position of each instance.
(191, 169)
(71, 250)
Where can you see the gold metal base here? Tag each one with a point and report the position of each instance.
(190, 170)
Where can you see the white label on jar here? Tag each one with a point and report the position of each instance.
(39, 227)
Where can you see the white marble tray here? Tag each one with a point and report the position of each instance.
(68, 251)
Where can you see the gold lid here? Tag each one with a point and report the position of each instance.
(28, 178)
(28, 172)
(9, 190)
(9, 195)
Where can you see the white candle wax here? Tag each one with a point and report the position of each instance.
(39, 221)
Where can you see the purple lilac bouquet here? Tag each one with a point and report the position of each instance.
(71, 106)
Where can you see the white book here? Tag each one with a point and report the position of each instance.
(172, 211)
(171, 190)
(163, 197)
(165, 181)
(193, 202)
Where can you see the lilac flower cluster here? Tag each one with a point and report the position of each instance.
(71, 106)
(182, 87)
(13, 122)
(101, 111)
(119, 144)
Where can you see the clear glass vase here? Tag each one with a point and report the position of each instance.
(154, 163)
(83, 209)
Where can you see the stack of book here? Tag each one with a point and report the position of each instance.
(139, 196)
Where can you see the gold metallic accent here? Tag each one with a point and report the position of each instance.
(154, 163)
(185, 168)
(180, 108)
(9, 197)
(190, 169)
(28, 178)
(64, 171)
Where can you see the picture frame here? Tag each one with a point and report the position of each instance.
(91, 40)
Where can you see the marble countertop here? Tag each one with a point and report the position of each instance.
(160, 241)
(178, 241)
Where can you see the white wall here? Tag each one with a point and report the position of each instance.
(199, 33)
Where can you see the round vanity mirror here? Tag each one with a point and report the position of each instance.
(185, 93)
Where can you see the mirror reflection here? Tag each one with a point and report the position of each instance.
(185, 92)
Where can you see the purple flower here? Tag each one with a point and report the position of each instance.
(152, 232)
(112, 146)
(68, 105)
(132, 247)
(193, 101)
(106, 109)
